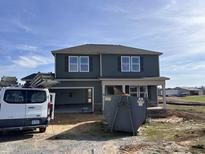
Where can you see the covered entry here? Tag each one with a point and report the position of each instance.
(73, 99)
(140, 87)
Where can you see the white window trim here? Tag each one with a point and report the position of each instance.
(122, 64)
(70, 63)
(138, 92)
(84, 64)
(132, 70)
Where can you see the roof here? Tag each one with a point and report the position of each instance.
(105, 49)
(189, 88)
(32, 76)
(29, 77)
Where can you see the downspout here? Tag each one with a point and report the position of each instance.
(55, 65)
(101, 65)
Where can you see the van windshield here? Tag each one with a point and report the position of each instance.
(25, 96)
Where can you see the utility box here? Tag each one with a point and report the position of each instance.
(125, 113)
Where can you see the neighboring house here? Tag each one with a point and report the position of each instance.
(85, 74)
(39, 80)
(183, 91)
(189, 91)
(7, 81)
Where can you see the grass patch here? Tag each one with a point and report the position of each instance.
(178, 132)
(197, 109)
(192, 99)
(160, 131)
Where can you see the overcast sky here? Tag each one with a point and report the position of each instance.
(30, 29)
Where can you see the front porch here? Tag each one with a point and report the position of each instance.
(135, 87)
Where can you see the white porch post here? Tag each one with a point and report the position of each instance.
(123, 89)
(164, 96)
(103, 96)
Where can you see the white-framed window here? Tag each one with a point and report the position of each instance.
(130, 63)
(143, 92)
(125, 63)
(138, 91)
(135, 64)
(73, 63)
(78, 63)
(84, 63)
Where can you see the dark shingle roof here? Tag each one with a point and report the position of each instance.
(29, 77)
(106, 49)
(32, 76)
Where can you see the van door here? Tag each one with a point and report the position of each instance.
(52, 100)
(36, 105)
(12, 108)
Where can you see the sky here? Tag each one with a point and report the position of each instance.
(30, 29)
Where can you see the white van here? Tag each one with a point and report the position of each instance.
(23, 108)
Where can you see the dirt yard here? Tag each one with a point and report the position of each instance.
(180, 132)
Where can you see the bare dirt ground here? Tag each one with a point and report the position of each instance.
(180, 132)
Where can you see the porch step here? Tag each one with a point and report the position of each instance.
(156, 112)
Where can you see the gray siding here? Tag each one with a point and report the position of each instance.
(71, 96)
(62, 68)
(97, 90)
(112, 67)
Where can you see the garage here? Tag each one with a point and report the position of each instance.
(73, 99)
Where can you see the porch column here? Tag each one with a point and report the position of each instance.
(103, 96)
(123, 89)
(164, 96)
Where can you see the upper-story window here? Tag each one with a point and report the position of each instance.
(125, 63)
(78, 63)
(135, 64)
(84, 63)
(73, 63)
(130, 63)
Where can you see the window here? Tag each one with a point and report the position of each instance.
(35, 96)
(15, 96)
(78, 63)
(73, 64)
(143, 92)
(130, 63)
(24, 96)
(138, 91)
(125, 63)
(134, 91)
(135, 64)
(84, 64)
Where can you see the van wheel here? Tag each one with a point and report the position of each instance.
(42, 130)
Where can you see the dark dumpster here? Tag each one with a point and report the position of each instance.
(124, 113)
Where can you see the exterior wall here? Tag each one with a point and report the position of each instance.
(112, 67)
(61, 66)
(70, 96)
(95, 84)
(152, 96)
(172, 92)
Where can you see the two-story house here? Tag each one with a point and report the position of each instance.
(87, 73)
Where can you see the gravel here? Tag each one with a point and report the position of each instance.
(82, 134)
